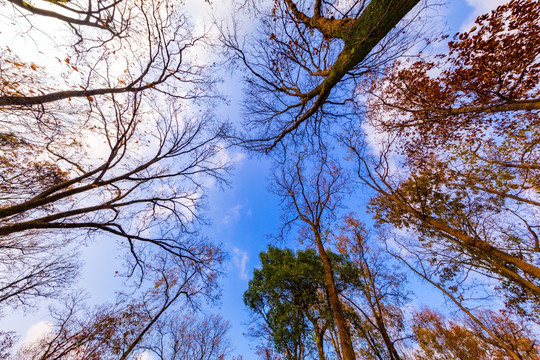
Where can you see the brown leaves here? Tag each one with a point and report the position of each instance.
(466, 127)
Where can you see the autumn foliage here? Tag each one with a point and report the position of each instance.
(463, 127)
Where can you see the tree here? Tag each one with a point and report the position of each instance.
(464, 141)
(312, 201)
(305, 54)
(455, 289)
(7, 340)
(150, 322)
(442, 339)
(114, 145)
(149, 50)
(187, 337)
(376, 291)
(287, 295)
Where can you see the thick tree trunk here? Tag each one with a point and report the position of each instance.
(360, 36)
(345, 340)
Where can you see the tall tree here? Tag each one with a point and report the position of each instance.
(185, 336)
(115, 142)
(460, 163)
(287, 295)
(376, 291)
(303, 56)
(312, 190)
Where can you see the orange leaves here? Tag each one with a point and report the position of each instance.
(469, 149)
(22, 65)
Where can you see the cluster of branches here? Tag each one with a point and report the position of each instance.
(156, 322)
(118, 144)
(305, 60)
(459, 167)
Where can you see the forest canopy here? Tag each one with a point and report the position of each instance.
(405, 162)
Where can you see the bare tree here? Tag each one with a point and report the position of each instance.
(184, 336)
(130, 47)
(312, 200)
(306, 59)
(132, 325)
(377, 294)
(455, 290)
(119, 143)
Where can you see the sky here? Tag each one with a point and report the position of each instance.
(241, 215)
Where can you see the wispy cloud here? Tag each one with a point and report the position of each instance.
(233, 214)
(240, 259)
(480, 7)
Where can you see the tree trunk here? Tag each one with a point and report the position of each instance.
(320, 344)
(342, 326)
(394, 355)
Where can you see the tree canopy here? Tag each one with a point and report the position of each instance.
(112, 129)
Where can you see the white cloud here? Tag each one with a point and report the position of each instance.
(37, 331)
(145, 355)
(240, 259)
(483, 6)
(233, 214)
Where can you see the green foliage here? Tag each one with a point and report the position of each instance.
(287, 292)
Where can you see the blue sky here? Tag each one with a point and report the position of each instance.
(241, 216)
